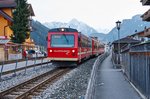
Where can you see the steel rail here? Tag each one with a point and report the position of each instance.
(28, 87)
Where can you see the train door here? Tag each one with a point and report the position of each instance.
(79, 47)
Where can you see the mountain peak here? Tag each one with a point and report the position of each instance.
(73, 20)
(74, 23)
(128, 27)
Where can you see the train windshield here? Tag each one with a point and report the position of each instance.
(62, 40)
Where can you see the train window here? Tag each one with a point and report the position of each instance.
(62, 40)
(83, 42)
(90, 43)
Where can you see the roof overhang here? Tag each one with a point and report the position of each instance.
(145, 2)
(6, 16)
(7, 4)
(146, 16)
(31, 10)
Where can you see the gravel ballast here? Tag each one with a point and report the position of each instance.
(71, 86)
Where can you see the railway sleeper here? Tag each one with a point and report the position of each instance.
(8, 97)
(16, 93)
(22, 90)
(31, 85)
(43, 88)
(38, 81)
(26, 87)
(40, 90)
(30, 97)
(47, 84)
(35, 93)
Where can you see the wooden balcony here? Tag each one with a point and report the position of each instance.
(30, 29)
(147, 32)
(145, 2)
(146, 16)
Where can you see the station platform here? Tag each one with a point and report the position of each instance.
(7, 67)
(111, 83)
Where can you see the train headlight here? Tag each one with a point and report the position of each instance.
(62, 29)
(73, 51)
(50, 50)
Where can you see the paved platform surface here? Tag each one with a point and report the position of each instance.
(111, 83)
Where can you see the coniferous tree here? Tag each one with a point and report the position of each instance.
(20, 25)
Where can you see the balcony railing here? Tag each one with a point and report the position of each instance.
(145, 2)
(143, 47)
(147, 32)
(146, 16)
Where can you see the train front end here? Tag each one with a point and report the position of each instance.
(62, 46)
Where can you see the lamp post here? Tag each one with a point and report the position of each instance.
(118, 23)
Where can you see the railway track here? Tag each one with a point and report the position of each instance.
(34, 86)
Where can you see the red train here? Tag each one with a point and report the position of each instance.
(68, 46)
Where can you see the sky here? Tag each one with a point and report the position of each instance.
(99, 14)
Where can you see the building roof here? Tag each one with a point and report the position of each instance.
(126, 40)
(141, 33)
(31, 10)
(11, 3)
(6, 16)
(7, 4)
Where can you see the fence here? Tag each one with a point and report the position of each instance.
(18, 65)
(136, 62)
(14, 56)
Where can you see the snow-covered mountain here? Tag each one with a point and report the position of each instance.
(39, 33)
(80, 26)
(51, 25)
(128, 27)
(101, 30)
